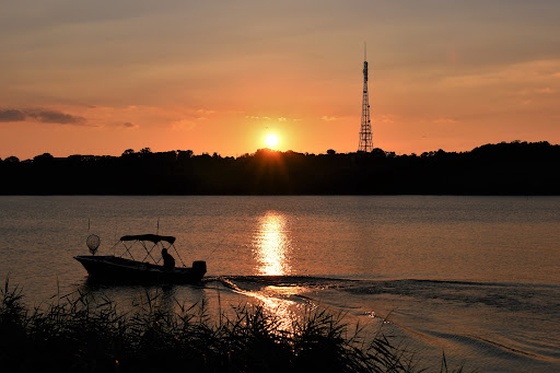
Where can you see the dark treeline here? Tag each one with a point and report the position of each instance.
(516, 168)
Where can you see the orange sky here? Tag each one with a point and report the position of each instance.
(217, 76)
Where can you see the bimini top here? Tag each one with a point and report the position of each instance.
(148, 237)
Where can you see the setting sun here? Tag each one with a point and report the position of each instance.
(271, 140)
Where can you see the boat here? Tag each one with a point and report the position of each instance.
(124, 266)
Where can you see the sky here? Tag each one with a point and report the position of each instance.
(218, 76)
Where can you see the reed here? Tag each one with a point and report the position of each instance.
(81, 334)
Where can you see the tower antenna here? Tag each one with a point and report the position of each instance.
(366, 142)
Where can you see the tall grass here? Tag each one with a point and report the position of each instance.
(78, 334)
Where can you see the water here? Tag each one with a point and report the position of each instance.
(476, 278)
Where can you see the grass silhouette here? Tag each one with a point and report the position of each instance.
(77, 334)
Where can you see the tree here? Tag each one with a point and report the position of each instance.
(45, 157)
(12, 159)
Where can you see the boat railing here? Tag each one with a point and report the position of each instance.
(148, 242)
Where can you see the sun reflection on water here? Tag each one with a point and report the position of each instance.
(272, 298)
(272, 249)
(272, 245)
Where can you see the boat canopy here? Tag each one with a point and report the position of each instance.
(149, 237)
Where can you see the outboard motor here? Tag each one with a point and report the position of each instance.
(199, 266)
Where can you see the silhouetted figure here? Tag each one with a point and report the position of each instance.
(168, 260)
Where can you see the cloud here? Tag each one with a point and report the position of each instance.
(257, 117)
(187, 124)
(445, 120)
(538, 72)
(11, 115)
(45, 116)
(205, 111)
(272, 119)
(328, 118)
(542, 91)
(51, 116)
(386, 119)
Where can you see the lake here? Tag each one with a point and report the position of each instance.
(476, 278)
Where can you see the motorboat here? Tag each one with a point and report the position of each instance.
(137, 259)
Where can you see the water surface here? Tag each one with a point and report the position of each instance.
(475, 277)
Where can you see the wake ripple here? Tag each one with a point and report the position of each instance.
(505, 326)
(536, 298)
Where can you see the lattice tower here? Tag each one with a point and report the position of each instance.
(366, 142)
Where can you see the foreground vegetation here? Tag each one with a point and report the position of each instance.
(516, 168)
(81, 335)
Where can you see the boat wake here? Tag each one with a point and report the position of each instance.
(460, 318)
(514, 297)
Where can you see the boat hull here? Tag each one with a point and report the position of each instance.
(120, 270)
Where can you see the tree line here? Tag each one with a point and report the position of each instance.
(515, 168)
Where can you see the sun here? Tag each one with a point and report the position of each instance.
(271, 140)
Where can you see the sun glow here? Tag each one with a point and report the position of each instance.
(271, 140)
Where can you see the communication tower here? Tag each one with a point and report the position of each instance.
(366, 142)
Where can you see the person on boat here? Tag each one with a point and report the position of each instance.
(168, 260)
